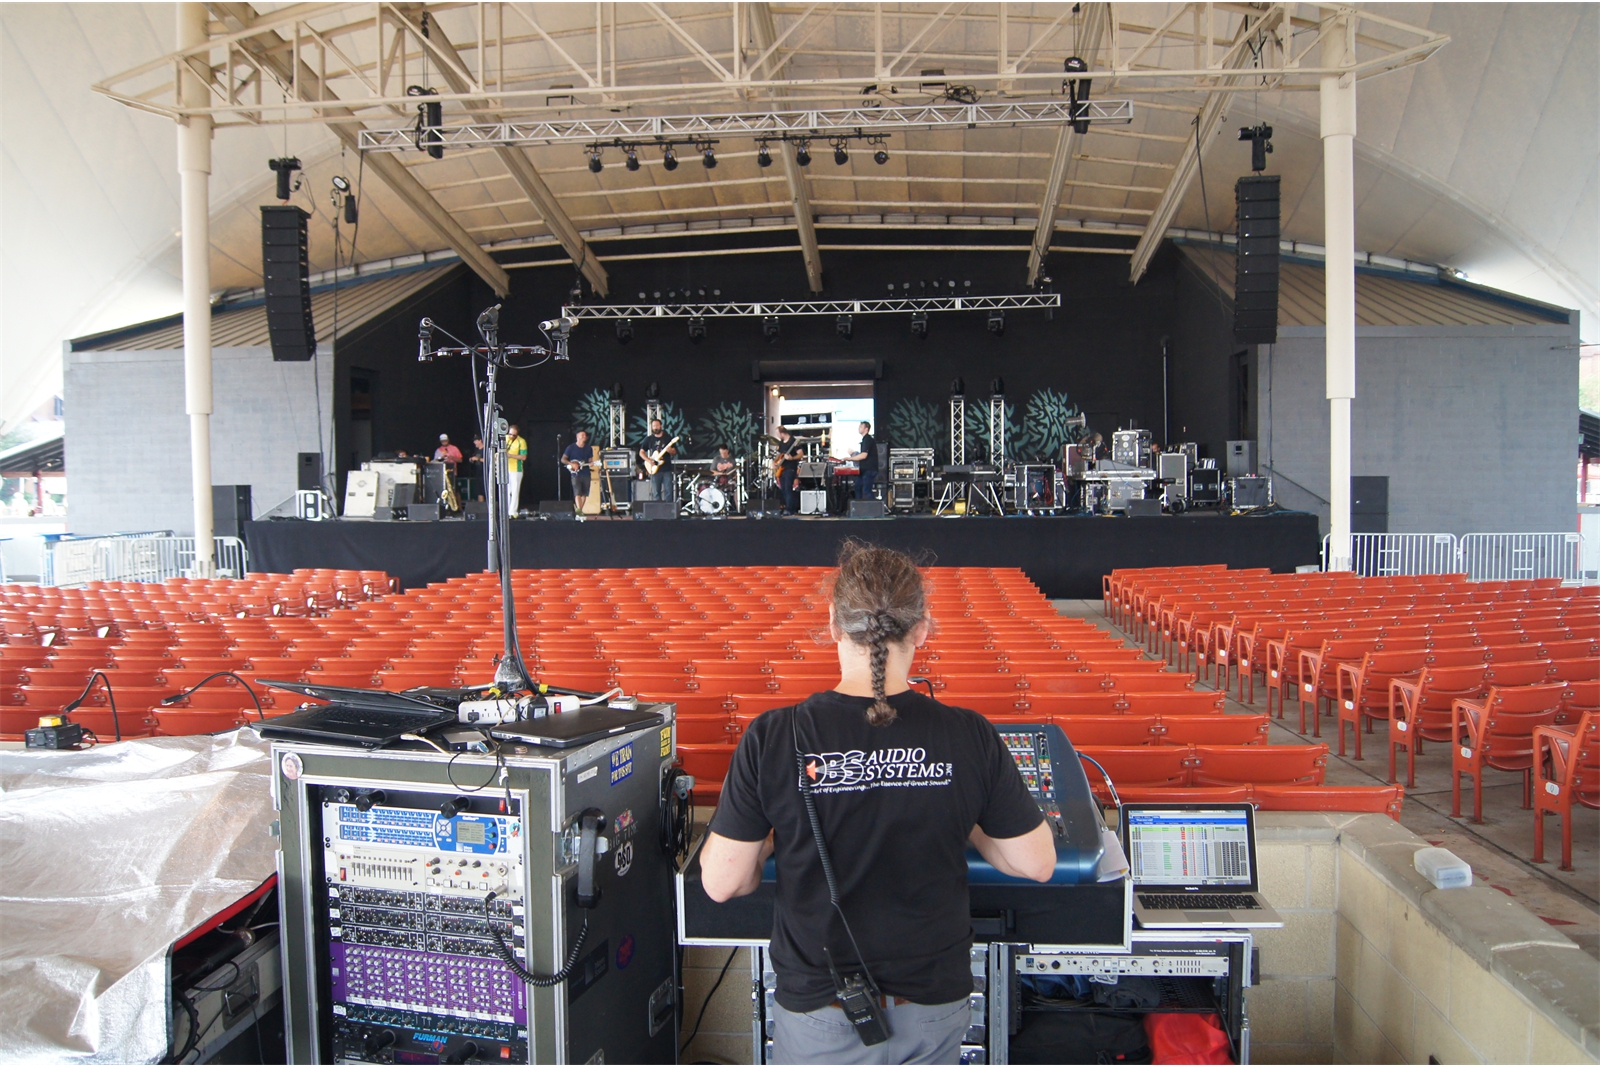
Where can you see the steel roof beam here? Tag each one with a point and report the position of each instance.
(388, 168)
(522, 171)
(1095, 17)
(765, 33)
(1210, 117)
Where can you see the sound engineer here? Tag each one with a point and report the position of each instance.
(900, 785)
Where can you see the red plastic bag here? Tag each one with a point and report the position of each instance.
(1186, 1038)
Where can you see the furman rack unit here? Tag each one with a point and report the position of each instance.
(387, 865)
(1203, 971)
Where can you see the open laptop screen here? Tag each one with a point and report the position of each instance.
(1200, 846)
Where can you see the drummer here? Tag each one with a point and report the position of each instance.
(723, 462)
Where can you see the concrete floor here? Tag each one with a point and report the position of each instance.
(1499, 849)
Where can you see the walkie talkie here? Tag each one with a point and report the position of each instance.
(858, 994)
(862, 1003)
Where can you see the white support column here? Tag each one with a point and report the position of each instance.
(1338, 95)
(194, 172)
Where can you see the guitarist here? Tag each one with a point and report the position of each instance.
(654, 445)
(790, 451)
(578, 457)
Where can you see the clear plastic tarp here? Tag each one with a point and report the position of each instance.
(107, 857)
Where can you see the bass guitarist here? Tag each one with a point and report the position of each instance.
(657, 449)
(578, 458)
(791, 450)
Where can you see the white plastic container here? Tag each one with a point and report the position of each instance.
(1443, 868)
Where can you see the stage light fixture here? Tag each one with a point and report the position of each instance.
(997, 386)
(285, 169)
(840, 155)
(624, 331)
(631, 161)
(341, 183)
(616, 390)
(1260, 138)
(769, 328)
(653, 391)
(697, 329)
(709, 158)
(843, 326)
(763, 155)
(997, 322)
(802, 153)
(919, 325)
(595, 163)
(430, 116)
(1078, 94)
(669, 159)
(881, 156)
(958, 387)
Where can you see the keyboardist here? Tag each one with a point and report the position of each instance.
(894, 786)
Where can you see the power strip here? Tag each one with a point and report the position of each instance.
(1201, 966)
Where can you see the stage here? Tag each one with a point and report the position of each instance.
(1065, 557)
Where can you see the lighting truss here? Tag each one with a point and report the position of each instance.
(776, 125)
(810, 307)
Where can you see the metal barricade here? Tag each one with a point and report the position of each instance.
(1375, 555)
(137, 558)
(1502, 557)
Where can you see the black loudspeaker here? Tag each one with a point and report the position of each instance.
(287, 280)
(424, 512)
(475, 509)
(309, 471)
(1255, 283)
(657, 509)
(867, 509)
(230, 510)
(1144, 509)
(555, 507)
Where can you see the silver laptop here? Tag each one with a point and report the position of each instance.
(1194, 865)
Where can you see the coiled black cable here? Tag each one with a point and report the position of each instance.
(541, 981)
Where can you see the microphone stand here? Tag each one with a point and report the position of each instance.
(511, 673)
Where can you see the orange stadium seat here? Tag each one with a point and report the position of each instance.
(1566, 768)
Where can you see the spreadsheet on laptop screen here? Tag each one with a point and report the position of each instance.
(1188, 847)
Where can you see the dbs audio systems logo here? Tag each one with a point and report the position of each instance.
(883, 768)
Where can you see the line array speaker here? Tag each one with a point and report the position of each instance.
(1255, 285)
(287, 281)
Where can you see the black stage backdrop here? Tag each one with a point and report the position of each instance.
(1100, 353)
(1065, 557)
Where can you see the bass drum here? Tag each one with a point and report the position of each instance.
(710, 500)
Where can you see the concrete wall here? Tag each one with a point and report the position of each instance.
(1471, 424)
(1463, 975)
(127, 437)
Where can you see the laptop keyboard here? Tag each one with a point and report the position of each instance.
(1197, 901)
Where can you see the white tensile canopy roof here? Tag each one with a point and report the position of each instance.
(1484, 157)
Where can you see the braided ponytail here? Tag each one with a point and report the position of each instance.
(878, 598)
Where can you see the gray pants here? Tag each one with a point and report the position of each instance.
(918, 1033)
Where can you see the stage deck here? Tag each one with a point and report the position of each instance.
(1065, 557)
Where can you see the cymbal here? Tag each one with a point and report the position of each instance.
(768, 439)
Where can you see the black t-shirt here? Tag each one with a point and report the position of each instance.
(870, 447)
(581, 453)
(897, 804)
(654, 443)
(792, 453)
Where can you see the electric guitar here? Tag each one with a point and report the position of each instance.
(653, 460)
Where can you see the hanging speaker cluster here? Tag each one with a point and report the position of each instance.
(287, 274)
(1255, 285)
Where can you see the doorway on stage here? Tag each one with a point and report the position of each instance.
(828, 412)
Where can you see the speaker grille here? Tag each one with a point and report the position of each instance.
(287, 281)
(1255, 284)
